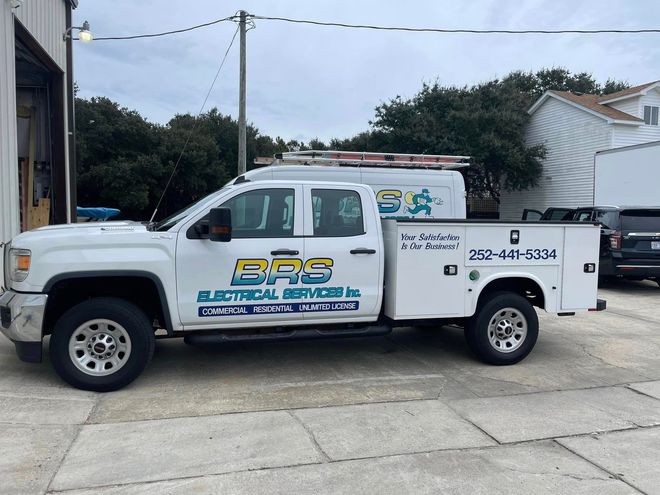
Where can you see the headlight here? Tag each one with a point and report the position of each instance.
(19, 264)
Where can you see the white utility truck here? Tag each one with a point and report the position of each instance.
(298, 254)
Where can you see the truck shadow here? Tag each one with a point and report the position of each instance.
(627, 286)
(408, 350)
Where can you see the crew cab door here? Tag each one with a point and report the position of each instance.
(246, 279)
(344, 254)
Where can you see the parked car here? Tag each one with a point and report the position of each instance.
(551, 214)
(629, 240)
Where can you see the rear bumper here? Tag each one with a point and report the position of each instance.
(21, 320)
(633, 268)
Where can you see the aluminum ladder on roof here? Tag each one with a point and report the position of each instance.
(370, 159)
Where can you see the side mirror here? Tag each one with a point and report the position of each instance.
(220, 224)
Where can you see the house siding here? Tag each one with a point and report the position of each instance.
(629, 105)
(629, 135)
(571, 137)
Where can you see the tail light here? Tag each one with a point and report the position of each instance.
(615, 240)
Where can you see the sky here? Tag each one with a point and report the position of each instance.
(307, 82)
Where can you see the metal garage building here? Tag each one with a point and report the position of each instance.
(37, 172)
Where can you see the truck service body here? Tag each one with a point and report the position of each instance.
(269, 257)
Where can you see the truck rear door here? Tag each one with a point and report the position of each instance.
(343, 272)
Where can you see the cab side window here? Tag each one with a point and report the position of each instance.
(607, 219)
(584, 216)
(262, 213)
(337, 213)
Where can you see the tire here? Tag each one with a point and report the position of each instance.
(503, 329)
(102, 344)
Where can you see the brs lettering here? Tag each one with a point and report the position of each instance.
(257, 271)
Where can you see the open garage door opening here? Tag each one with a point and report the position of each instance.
(40, 116)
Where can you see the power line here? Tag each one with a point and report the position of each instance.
(165, 33)
(192, 130)
(385, 28)
(450, 31)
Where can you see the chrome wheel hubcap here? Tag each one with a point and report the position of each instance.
(507, 330)
(99, 347)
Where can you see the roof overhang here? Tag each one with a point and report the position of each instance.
(73, 3)
(551, 94)
(641, 92)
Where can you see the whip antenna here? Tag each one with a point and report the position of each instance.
(192, 130)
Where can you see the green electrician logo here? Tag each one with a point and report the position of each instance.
(420, 202)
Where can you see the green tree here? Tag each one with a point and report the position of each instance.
(116, 156)
(124, 161)
(486, 122)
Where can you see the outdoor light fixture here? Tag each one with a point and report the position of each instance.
(14, 4)
(84, 34)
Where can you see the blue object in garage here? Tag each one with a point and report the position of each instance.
(97, 213)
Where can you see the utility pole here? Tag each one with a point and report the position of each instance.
(241, 101)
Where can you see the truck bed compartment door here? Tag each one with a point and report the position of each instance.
(579, 288)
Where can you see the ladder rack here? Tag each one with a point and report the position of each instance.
(367, 159)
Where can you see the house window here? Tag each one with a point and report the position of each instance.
(650, 115)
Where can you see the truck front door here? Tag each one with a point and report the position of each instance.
(343, 273)
(250, 279)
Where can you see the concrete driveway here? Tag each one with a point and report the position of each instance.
(409, 413)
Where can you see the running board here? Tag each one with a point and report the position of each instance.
(216, 338)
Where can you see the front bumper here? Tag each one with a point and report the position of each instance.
(21, 320)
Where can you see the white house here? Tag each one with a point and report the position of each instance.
(37, 174)
(573, 127)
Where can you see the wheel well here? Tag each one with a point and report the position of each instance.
(141, 291)
(525, 287)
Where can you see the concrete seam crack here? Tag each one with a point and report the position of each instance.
(602, 468)
(312, 437)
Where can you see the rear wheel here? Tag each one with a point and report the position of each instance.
(102, 344)
(503, 330)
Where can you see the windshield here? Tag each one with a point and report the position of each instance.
(172, 220)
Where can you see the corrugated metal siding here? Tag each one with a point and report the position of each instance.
(571, 137)
(46, 21)
(9, 205)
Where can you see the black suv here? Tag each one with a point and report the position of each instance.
(629, 237)
(629, 240)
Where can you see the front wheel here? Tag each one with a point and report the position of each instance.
(101, 344)
(503, 330)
